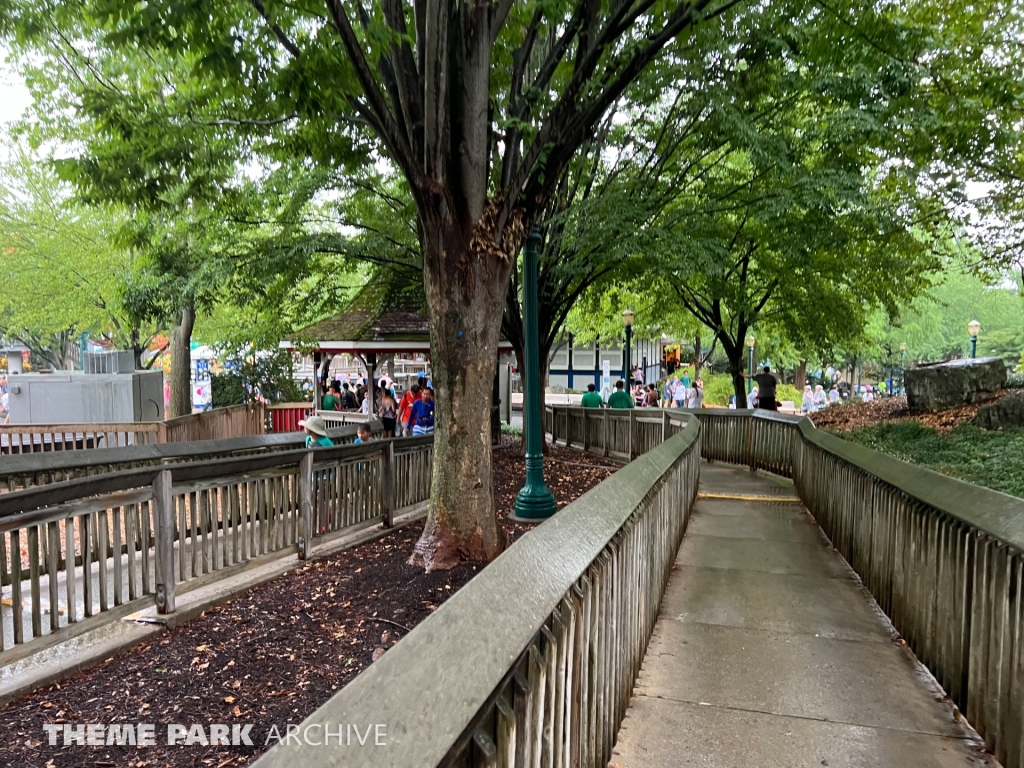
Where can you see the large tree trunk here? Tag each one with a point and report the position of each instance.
(181, 364)
(465, 278)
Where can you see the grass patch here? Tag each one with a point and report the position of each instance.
(991, 459)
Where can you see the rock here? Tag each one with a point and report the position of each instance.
(1007, 412)
(956, 382)
(378, 652)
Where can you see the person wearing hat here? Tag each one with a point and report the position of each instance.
(316, 433)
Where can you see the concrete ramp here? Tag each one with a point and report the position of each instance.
(768, 653)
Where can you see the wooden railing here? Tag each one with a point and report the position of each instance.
(25, 471)
(532, 663)
(217, 424)
(75, 549)
(17, 439)
(943, 558)
(727, 435)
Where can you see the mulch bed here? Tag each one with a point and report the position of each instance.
(271, 656)
(844, 418)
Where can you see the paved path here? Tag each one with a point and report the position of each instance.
(769, 653)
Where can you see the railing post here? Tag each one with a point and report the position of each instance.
(632, 432)
(388, 480)
(604, 429)
(306, 506)
(163, 514)
(666, 428)
(586, 442)
(750, 444)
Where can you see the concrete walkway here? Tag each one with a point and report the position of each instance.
(769, 653)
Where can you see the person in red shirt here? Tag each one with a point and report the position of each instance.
(405, 406)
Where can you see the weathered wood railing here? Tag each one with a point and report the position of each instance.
(73, 549)
(728, 436)
(16, 439)
(39, 469)
(533, 662)
(215, 424)
(943, 558)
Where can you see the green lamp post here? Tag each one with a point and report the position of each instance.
(973, 329)
(627, 365)
(535, 501)
(750, 362)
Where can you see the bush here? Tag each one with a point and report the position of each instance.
(1015, 380)
(226, 389)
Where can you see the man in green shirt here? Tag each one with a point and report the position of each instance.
(591, 399)
(331, 400)
(620, 398)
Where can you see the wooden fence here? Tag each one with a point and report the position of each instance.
(217, 424)
(74, 549)
(235, 421)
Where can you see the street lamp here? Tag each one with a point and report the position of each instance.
(627, 366)
(972, 328)
(903, 369)
(750, 361)
(535, 500)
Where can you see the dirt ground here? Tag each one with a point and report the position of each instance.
(843, 418)
(269, 657)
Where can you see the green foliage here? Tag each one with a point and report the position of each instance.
(227, 389)
(991, 459)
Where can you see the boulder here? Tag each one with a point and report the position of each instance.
(956, 382)
(1006, 412)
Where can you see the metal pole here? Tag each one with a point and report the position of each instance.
(750, 370)
(974, 346)
(535, 501)
(629, 358)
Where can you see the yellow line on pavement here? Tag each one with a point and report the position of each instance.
(785, 499)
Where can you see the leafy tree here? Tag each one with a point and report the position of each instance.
(65, 269)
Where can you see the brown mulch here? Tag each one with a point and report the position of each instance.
(844, 418)
(271, 656)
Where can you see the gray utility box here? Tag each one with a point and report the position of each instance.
(98, 398)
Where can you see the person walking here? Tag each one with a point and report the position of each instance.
(388, 412)
(752, 398)
(316, 433)
(807, 403)
(331, 400)
(833, 395)
(590, 398)
(766, 388)
(820, 399)
(651, 396)
(679, 394)
(620, 398)
(409, 398)
(766, 384)
(696, 396)
(421, 415)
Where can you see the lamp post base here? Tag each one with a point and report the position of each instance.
(534, 504)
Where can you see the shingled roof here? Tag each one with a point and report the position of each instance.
(385, 309)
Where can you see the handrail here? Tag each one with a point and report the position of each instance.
(943, 558)
(20, 502)
(31, 467)
(578, 596)
(105, 540)
(991, 512)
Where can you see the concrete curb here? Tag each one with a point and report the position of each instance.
(61, 660)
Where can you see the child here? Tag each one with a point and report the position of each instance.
(362, 434)
(316, 433)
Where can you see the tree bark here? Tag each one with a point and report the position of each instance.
(181, 364)
(465, 278)
(800, 378)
